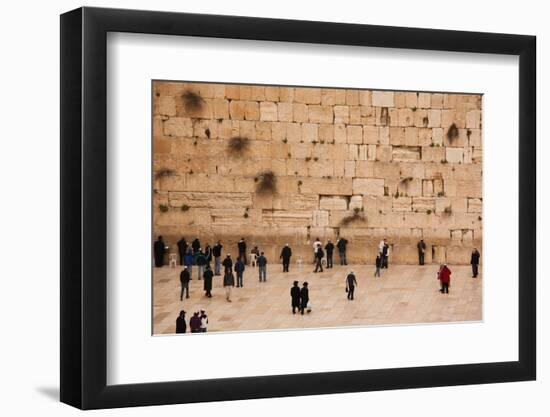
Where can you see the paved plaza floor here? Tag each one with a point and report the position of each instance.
(405, 294)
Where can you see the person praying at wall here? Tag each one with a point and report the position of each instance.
(159, 248)
(341, 244)
(421, 246)
(474, 261)
(241, 246)
(329, 248)
(286, 254)
(182, 249)
(196, 245)
(217, 253)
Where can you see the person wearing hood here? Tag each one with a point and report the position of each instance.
(181, 325)
(159, 248)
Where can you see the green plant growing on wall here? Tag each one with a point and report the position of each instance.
(266, 183)
(192, 101)
(357, 216)
(164, 172)
(452, 133)
(238, 145)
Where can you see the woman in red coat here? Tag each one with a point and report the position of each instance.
(444, 276)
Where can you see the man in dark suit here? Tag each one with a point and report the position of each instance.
(159, 248)
(241, 245)
(295, 297)
(329, 247)
(185, 276)
(286, 253)
(182, 249)
(304, 297)
(421, 246)
(351, 283)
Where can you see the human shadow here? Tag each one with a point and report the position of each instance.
(50, 392)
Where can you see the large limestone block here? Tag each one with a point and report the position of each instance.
(178, 126)
(434, 118)
(320, 114)
(327, 186)
(209, 199)
(433, 153)
(371, 135)
(402, 204)
(333, 203)
(424, 100)
(368, 186)
(458, 255)
(326, 133)
(423, 204)
(341, 114)
(332, 96)
(320, 218)
(474, 205)
(406, 153)
(356, 202)
(310, 132)
(164, 106)
(354, 134)
(406, 117)
(307, 95)
(285, 112)
(268, 111)
(383, 98)
(300, 112)
(384, 153)
(454, 155)
(304, 202)
(473, 119)
(468, 188)
(287, 218)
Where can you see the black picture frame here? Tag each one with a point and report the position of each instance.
(84, 207)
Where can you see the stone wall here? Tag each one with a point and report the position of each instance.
(362, 164)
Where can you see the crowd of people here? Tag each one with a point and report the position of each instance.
(194, 256)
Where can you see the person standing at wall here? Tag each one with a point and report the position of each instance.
(159, 248)
(188, 261)
(342, 244)
(474, 261)
(200, 261)
(184, 279)
(316, 245)
(196, 245)
(228, 263)
(239, 270)
(378, 265)
(207, 286)
(262, 267)
(181, 325)
(319, 259)
(241, 246)
(254, 253)
(217, 253)
(444, 277)
(182, 249)
(286, 254)
(304, 297)
(208, 254)
(385, 253)
(228, 283)
(421, 246)
(295, 297)
(329, 248)
(351, 283)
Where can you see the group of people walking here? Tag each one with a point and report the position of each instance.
(299, 297)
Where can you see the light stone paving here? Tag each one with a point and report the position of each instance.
(404, 294)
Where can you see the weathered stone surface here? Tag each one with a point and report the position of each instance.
(382, 98)
(383, 154)
(368, 186)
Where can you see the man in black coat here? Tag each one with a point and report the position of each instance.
(295, 297)
(196, 245)
(182, 249)
(351, 283)
(185, 276)
(227, 263)
(207, 286)
(329, 247)
(474, 261)
(181, 325)
(241, 245)
(421, 246)
(304, 297)
(239, 270)
(158, 249)
(318, 259)
(286, 253)
(341, 244)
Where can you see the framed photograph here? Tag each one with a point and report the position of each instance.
(260, 208)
